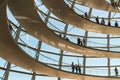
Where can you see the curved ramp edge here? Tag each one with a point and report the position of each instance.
(101, 5)
(18, 57)
(62, 11)
(28, 17)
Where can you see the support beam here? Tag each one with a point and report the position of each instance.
(89, 13)
(18, 33)
(73, 4)
(33, 77)
(37, 57)
(6, 74)
(108, 47)
(48, 16)
(61, 51)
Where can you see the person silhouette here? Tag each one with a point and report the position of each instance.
(103, 21)
(116, 23)
(84, 41)
(73, 67)
(116, 71)
(76, 68)
(97, 19)
(109, 23)
(78, 41)
(86, 15)
(79, 69)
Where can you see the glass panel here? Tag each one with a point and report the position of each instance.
(45, 78)
(46, 47)
(49, 58)
(96, 62)
(56, 25)
(28, 39)
(18, 76)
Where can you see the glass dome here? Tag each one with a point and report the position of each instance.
(60, 59)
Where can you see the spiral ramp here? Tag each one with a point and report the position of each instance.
(34, 26)
(69, 16)
(20, 58)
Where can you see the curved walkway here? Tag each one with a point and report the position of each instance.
(101, 5)
(11, 52)
(61, 10)
(28, 17)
